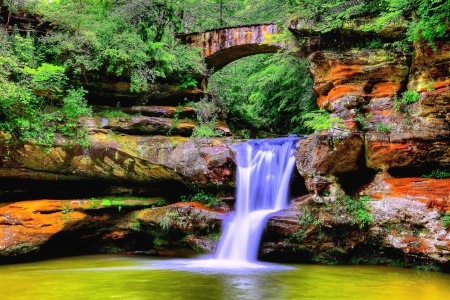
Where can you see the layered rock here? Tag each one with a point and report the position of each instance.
(36, 229)
(386, 145)
(151, 160)
(144, 125)
(403, 232)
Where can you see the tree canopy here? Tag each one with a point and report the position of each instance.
(135, 41)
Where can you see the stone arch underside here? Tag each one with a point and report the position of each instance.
(225, 45)
(220, 59)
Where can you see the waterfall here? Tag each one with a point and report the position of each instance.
(264, 169)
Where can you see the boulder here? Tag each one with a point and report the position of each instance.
(320, 157)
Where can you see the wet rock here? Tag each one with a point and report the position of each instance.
(182, 229)
(320, 157)
(404, 231)
(434, 193)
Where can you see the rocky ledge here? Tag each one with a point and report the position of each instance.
(51, 228)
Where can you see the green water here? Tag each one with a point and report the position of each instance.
(134, 277)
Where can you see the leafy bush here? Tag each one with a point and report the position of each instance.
(358, 208)
(108, 113)
(383, 128)
(202, 197)
(362, 120)
(206, 112)
(439, 174)
(205, 129)
(131, 39)
(35, 104)
(266, 92)
(445, 219)
(321, 120)
(166, 220)
(410, 96)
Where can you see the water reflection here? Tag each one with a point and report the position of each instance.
(119, 277)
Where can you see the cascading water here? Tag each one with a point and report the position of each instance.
(263, 175)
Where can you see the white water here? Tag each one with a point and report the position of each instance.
(263, 175)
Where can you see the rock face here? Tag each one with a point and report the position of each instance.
(144, 151)
(368, 74)
(403, 232)
(48, 228)
(395, 111)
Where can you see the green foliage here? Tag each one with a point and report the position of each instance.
(357, 207)
(176, 115)
(425, 19)
(439, 174)
(445, 219)
(410, 96)
(66, 210)
(166, 220)
(108, 113)
(321, 120)
(132, 39)
(201, 15)
(265, 92)
(187, 81)
(161, 202)
(362, 119)
(204, 198)
(206, 119)
(35, 104)
(205, 129)
(383, 128)
(374, 44)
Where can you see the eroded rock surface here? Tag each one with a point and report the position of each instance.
(116, 157)
(403, 232)
(50, 228)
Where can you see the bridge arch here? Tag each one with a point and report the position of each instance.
(224, 45)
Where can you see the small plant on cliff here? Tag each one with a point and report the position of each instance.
(186, 81)
(321, 120)
(362, 119)
(407, 98)
(358, 208)
(108, 113)
(66, 210)
(383, 128)
(201, 196)
(166, 220)
(410, 96)
(176, 115)
(438, 174)
(206, 129)
(445, 219)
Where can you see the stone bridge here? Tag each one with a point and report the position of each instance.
(224, 45)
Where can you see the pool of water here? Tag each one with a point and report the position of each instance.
(136, 277)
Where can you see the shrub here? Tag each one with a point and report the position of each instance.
(439, 174)
(321, 120)
(202, 197)
(410, 96)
